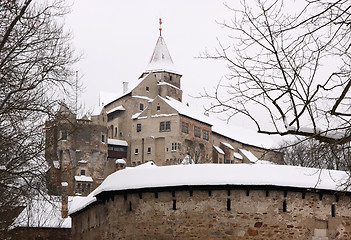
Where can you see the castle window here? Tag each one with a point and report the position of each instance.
(149, 150)
(185, 127)
(197, 131)
(158, 108)
(147, 89)
(136, 151)
(165, 126)
(139, 127)
(205, 134)
(64, 135)
(82, 172)
(174, 147)
(141, 107)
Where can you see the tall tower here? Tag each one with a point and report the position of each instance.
(163, 68)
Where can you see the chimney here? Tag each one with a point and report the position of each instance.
(64, 207)
(120, 164)
(125, 87)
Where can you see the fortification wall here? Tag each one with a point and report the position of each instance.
(216, 214)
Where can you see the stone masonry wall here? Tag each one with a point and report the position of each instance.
(216, 214)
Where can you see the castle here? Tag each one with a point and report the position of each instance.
(146, 122)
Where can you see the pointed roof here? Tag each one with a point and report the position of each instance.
(161, 60)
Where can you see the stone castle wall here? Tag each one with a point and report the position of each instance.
(216, 214)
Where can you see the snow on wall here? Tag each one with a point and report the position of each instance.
(152, 176)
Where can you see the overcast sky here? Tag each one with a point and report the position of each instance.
(117, 39)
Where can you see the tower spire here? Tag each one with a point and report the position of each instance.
(160, 26)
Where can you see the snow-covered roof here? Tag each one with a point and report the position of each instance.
(117, 142)
(135, 115)
(237, 155)
(243, 135)
(43, 212)
(83, 178)
(118, 108)
(218, 149)
(120, 161)
(96, 110)
(219, 174)
(161, 60)
(249, 155)
(168, 84)
(228, 145)
(185, 110)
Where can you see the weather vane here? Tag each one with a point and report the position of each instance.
(160, 26)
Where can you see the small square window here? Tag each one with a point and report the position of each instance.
(136, 151)
(149, 150)
(64, 135)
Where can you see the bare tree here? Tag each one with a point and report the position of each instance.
(289, 68)
(35, 72)
(312, 153)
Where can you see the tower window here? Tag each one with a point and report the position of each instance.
(136, 151)
(103, 138)
(149, 150)
(82, 172)
(170, 78)
(141, 107)
(116, 132)
(139, 127)
(158, 108)
(147, 89)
